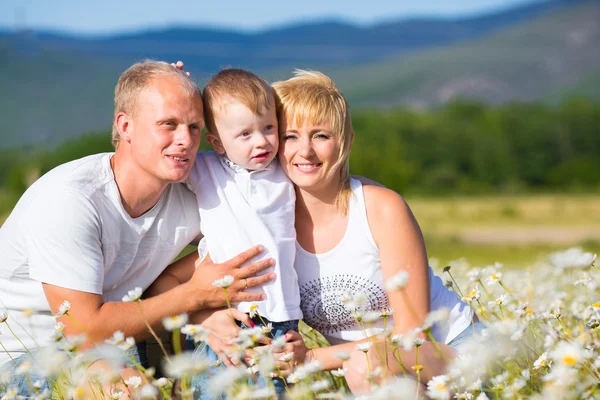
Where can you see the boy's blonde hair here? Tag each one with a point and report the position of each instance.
(138, 77)
(312, 97)
(240, 85)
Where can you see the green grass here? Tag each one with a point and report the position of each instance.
(444, 252)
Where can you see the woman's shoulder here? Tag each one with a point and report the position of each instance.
(382, 202)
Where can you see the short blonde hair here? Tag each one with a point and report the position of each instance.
(238, 84)
(138, 77)
(312, 97)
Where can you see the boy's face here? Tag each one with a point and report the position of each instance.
(249, 140)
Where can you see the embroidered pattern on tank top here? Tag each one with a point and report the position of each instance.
(322, 301)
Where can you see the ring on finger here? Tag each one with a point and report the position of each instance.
(245, 283)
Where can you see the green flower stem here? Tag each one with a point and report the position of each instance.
(455, 284)
(436, 344)
(177, 341)
(6, 351)
(505, 288)
(154, 335)
(398, 358)
(22, 344)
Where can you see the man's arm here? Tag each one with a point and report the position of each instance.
(89, 314)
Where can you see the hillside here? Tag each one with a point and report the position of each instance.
(553, 55)
(60, 86)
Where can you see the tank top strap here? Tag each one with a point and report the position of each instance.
(358, 212)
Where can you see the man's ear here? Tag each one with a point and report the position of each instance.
(123, 124)
(215, 142)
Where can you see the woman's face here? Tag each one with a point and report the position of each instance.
(308, 153)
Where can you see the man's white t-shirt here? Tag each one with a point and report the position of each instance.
(70, 229)
(240, 209)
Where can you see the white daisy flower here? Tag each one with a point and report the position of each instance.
(542, 361)
(224, 282)
(134, 381)
(175, 322)
(568, 354)
(397, 282)
(364, 347)
(574, 257)
(495, 278)
(147, 392)
(161, 382)
(438, 388)
(340, 372)
(342, 355)
(319, 385)
(371, 316)
(253, 310)
(133, 295)
(63, 309)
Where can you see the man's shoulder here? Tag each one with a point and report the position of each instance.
(84, 175)
(73, 183)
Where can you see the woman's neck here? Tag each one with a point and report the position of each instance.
(320, 226)
(315, 203)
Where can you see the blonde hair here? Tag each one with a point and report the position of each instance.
(138, 77)
(238, 84)
(312, 97)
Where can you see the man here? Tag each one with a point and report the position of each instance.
(92, 229)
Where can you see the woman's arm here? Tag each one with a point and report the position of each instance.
(401, 248)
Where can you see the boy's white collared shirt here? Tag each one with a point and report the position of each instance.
(240, 209)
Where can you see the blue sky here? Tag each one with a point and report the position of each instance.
(109, 16)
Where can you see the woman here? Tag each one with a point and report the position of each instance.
(353, 238)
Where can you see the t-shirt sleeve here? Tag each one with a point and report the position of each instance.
(63, 238)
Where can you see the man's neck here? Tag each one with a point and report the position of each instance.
(138, 193)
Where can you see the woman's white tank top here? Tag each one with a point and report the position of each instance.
(353, 268)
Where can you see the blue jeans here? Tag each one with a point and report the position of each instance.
(200, 383)
(465, 336)
(23, 383)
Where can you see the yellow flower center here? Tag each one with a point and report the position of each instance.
(569, 360)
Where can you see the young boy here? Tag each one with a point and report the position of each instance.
(243, 196)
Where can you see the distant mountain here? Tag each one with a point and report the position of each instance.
(321, 43)
(56, 86)
(547, 58)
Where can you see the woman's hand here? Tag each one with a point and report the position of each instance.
(179, 65)
(294, 352)
(223, 329)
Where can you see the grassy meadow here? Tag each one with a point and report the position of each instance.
(516, 229)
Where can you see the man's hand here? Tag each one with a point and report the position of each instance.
(209, 296)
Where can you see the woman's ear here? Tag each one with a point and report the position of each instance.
(215, 142)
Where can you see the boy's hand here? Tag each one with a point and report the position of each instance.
(206, 295)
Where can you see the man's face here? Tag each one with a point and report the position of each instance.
(164, 132)
(249, 140)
